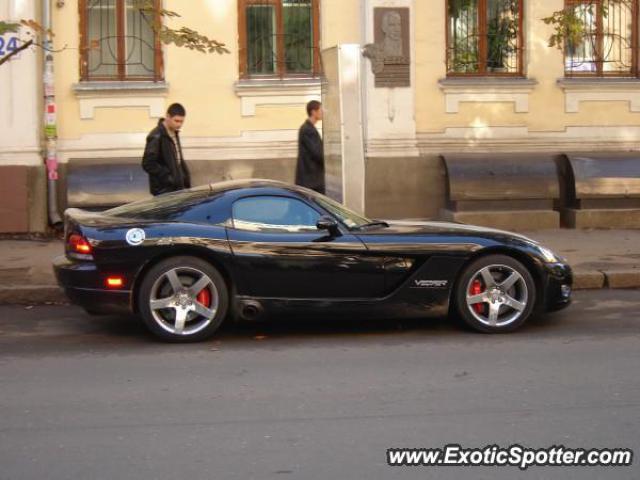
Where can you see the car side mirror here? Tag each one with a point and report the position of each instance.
(328, 223)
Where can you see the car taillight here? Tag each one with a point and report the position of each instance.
(79, 245)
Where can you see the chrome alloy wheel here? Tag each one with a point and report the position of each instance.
(497, 295)
(184, 301)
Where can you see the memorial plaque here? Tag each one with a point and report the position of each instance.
(390, 54)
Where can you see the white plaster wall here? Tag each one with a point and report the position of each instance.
(389, 112)
(20, 96)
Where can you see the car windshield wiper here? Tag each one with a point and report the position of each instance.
(375, 223)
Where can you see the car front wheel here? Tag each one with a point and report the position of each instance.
(495, 294)
(183, 299)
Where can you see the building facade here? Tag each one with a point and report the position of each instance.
(482, 78)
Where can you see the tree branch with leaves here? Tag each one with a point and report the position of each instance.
(569, 24)
(33, 34)
(185, 37)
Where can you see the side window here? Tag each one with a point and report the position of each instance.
(274, 214)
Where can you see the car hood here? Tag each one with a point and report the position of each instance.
(408, 227)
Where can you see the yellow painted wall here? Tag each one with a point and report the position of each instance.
(205, 83)
(340, 22)
(544, 64)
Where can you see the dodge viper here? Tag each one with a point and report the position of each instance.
(184, 262)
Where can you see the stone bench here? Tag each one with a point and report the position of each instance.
(602, 190)
(509, 191)
(96, 183)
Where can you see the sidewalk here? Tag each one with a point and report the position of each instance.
(600, 258)
(26, 274)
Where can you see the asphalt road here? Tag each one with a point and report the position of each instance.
(97, 398)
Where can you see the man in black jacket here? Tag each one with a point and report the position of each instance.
(310, 167)
(163, 159)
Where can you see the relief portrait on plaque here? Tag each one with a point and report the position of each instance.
(392, 30)
(390, 53)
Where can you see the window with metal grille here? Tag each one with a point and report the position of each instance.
(485, 37)
(118, 42)
(279, 38)
(609, 46)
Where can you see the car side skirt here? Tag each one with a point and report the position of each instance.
(425, 293)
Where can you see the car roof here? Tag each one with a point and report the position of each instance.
(256, 183)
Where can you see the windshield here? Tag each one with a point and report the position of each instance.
(342, 213)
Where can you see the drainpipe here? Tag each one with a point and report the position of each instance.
(50, 128)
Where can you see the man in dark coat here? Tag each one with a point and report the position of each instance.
(163, 159)
(310, 167)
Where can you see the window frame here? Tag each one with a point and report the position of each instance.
(121, 76)
(280, 62)
(483, 42)
(274, 230)
(634, 71)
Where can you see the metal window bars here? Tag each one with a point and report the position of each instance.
(118, 42)
(279, 38)
(485, 37)
(609, 44)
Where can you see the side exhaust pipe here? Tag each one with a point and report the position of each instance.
(250, 310)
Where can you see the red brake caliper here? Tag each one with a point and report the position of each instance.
(204, 297)
(476, 289)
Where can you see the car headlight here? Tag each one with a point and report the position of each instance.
(548, 255)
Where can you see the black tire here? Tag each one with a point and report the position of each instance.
(509, 317)
(197, 327)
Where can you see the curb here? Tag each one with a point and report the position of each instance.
(623, 279)
(589, 280)
(582, 280)
(606, 279)
(32, 295)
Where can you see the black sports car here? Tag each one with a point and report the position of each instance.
(185, 261)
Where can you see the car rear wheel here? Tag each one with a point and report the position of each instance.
(495, 294)
(183, 299)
